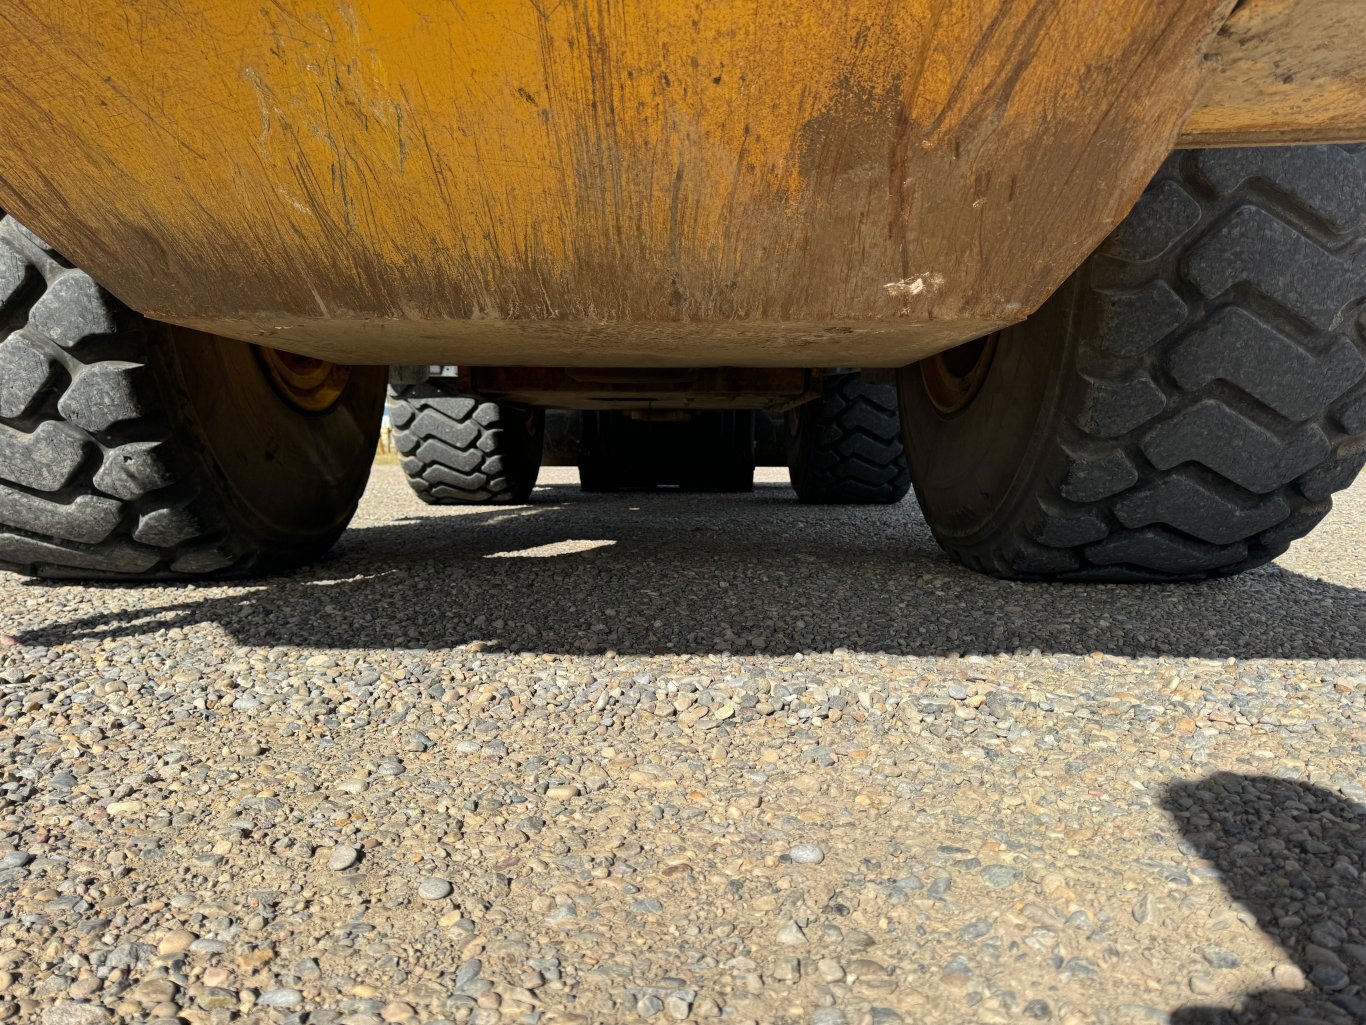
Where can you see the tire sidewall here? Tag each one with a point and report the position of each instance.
(801, 424)
(972, 468)
(527, 426)
(287, 479)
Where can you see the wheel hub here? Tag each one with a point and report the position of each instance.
(309, 385)
(954, 378)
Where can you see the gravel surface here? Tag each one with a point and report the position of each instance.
(664, 758)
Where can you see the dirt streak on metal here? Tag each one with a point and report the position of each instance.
(626, 162)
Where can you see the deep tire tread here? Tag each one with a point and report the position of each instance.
(99, 477)
(70, 526)
(1198, 502)
(847, 448)
(461, 451)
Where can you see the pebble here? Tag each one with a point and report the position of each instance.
(433, 888)
(1218, 957)
(468, 972)
(1201, 984)
(750, 761)
(214, 998)
(281, 998)
(998, 877)
(1328, 977)
(176, 942)
(397, 1011)
(649, 1005)
(343, 856)
(1289, 976)
(677, 1006)
(1143, 909)
(75, 1014)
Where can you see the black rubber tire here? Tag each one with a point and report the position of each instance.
(563, 437)
(1189, 401)
(845, 448)
(600, 455)
(709, 451)
(136, 451)
(770, 439)
(458, 450)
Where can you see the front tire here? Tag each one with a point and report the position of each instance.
(1188, 402)
(135, 450)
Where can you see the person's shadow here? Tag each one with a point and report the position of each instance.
(1292, 854)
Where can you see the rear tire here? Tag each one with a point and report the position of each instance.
(845, 448)
(134, 450)
(770, 439)
(563, 437)
(711, 451)
(459, 450)
(1188, 402)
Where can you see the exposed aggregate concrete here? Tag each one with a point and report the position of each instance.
(684, 758)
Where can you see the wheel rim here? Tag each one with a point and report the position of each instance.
(309, 385)
(953, 379)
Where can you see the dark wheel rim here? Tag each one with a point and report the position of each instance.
(953, 379)
(309, 385)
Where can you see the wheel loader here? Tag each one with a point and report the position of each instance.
(1089, 276)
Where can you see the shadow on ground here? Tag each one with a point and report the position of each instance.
(1293, 855)
(671, 573)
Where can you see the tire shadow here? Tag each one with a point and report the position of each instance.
(669, 573)
(1294, 855)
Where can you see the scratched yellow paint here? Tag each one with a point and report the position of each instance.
(1286, 71)
(627, 160)
(649, 125)
(376, 115)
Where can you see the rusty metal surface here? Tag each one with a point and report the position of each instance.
(1284, 71)
(775, 390)
(588, 343)
(604, 183)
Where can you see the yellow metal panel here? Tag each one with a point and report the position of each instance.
(1284, 71)
(869, 170)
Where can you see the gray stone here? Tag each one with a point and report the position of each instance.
(281, 998)
(677, 1006)
(1218, 957)
(468, 972)
(433, 888)
(649, 1005)
(75, 1014)
(343, 857)
(1143, 909)
(998, 877)
(1326, 976)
